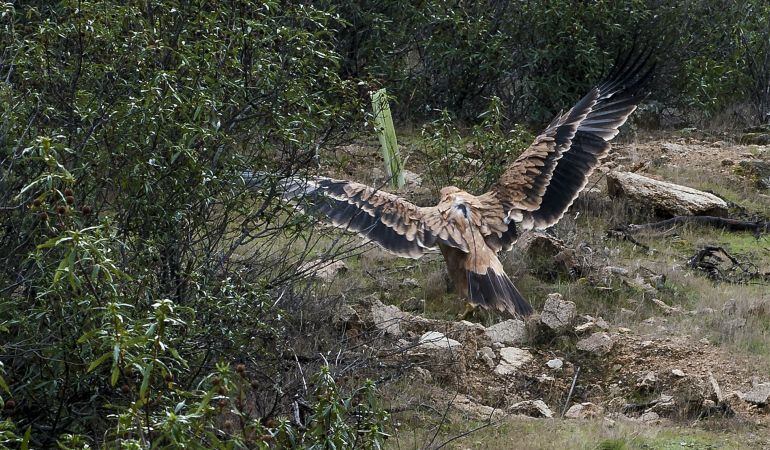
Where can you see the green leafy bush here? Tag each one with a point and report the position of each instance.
(539, 57)
(472, 159)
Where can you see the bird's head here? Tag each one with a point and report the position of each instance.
(448, 192)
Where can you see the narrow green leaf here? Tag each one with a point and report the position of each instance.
(146, 373)
(96, 363)
(25, 440)
(114, 375)
(115, 368)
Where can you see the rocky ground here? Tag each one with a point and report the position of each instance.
(631, 335)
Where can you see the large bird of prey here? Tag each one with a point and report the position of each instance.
(534, 192)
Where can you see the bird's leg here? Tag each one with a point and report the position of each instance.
(469, 309)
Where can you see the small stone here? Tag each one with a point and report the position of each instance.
(674, 148)
(344, 314)
(677, 373)
(388, 318)
(508, 332)
(433, 340)
(488, 356)
(558, 314)
(592, 323)
(601, 323)
(488, 361)
(598, 343)
(423, 374)
(555, 363)
(758, 395)
(584, 327)
(413, 304)
(663, 405)
(323, 270)
(648, 381)
(717, 391)
(466, 326)
(532, 408)
(586, 410)
(666, 308)
(412, 179)
(615, 270)
(487, 351)
(512, 358)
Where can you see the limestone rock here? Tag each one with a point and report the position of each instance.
(678, 373)
(558, 314)
(597, 343)
(666, 197)
(433, 340)
(512, 358)
(585, 410)
(532, 408)
(323, 270)
(509, 332)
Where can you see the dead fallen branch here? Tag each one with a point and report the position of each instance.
(624, 235)
(719, 265)
(757, 227)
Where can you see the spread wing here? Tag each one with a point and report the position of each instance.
(394, 223)
(539, 187)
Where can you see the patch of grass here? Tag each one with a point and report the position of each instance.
(525, 433)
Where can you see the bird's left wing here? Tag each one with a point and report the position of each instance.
(538, 188)
(394, 223)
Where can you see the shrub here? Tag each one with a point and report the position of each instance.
(136, 267)
(540, 56)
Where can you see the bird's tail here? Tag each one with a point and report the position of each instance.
(495, 290)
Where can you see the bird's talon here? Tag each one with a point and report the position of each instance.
(469, 309)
